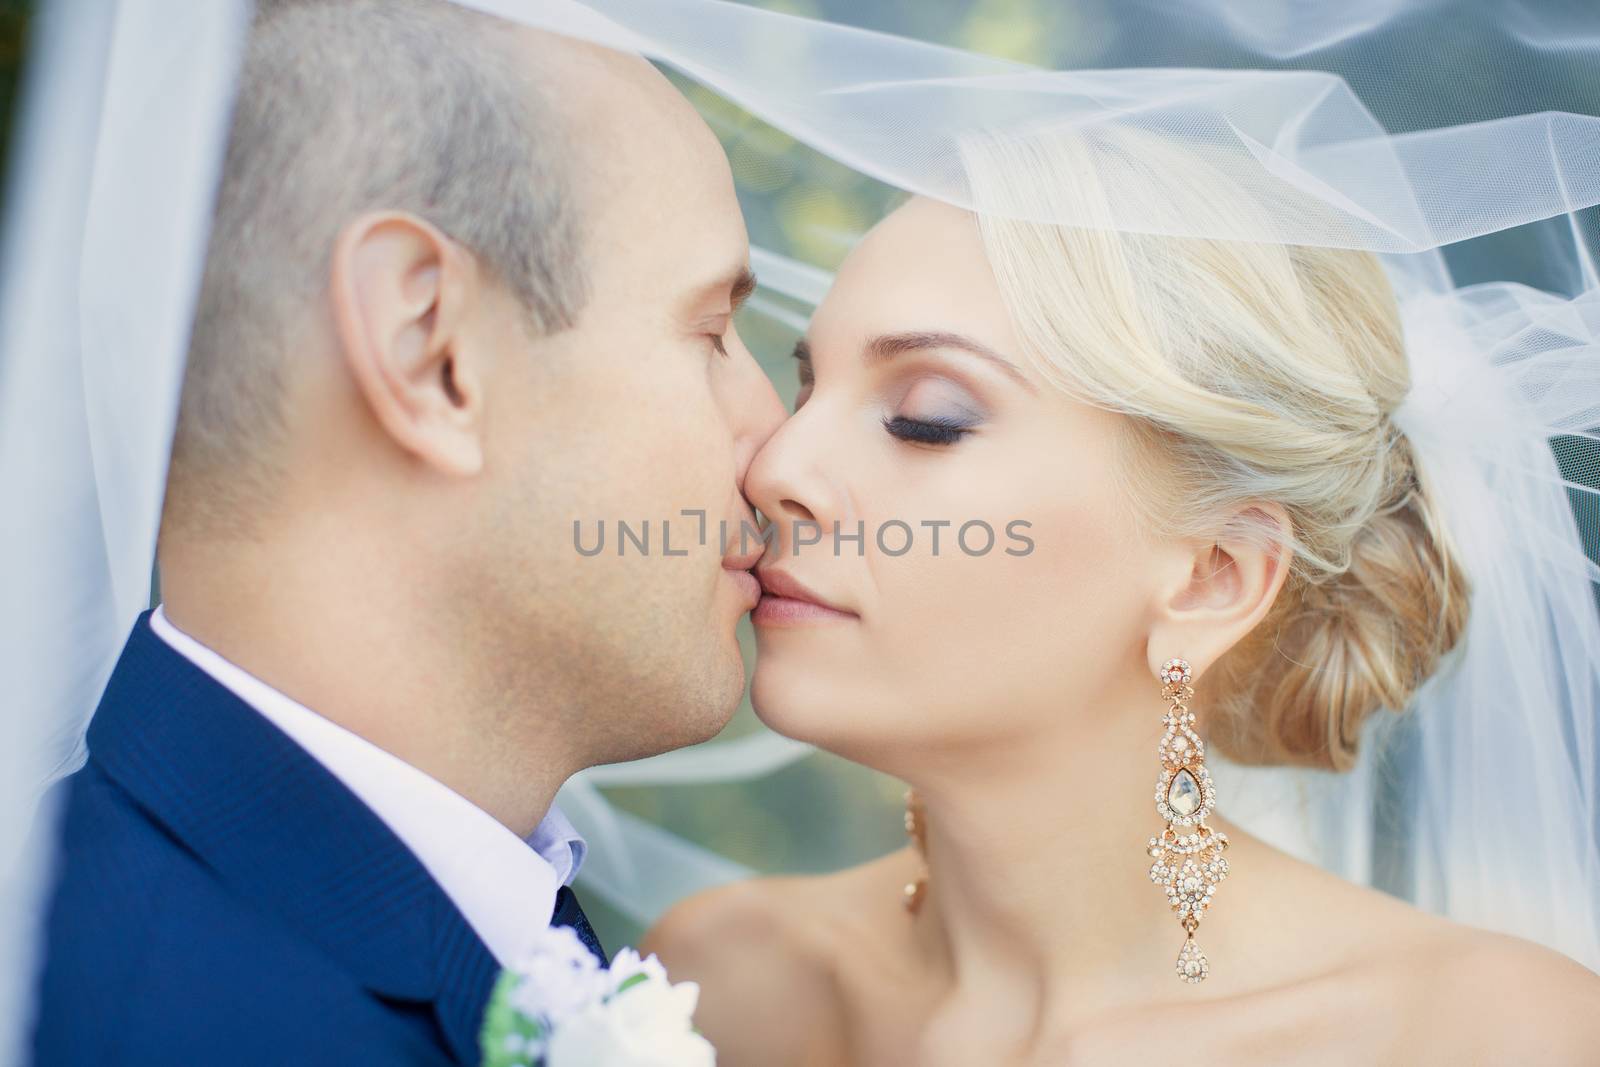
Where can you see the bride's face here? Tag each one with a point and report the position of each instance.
(919, 426)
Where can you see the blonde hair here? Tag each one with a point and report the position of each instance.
(1249, 371)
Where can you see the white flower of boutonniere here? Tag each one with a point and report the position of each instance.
(559, 1008)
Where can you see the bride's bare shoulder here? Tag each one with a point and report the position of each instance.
(1380, 980)
(804, 920)
(785, 918)
(766, 954)
(1459, 994)
(1508, 1000)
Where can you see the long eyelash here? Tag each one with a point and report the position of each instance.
(718, 344)
(926, 431)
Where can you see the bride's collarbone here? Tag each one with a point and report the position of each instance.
(1377, 981)
(1364, 979)
(1378, 1015)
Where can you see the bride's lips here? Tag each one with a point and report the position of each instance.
(787, 602)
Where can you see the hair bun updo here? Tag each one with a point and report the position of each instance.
(1337, 647)
(1249, 371)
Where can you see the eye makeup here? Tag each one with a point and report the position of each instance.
(927, 404)
(934, 411)
(934, 431)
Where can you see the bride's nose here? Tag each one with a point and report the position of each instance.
(787, 481)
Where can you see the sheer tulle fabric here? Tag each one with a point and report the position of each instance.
(107, 211)
(1481, 803)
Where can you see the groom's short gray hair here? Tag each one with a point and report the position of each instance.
(346, 106)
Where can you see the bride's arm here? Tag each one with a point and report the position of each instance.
(764, 1001)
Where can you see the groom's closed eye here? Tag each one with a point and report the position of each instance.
(743, 286)
(728, 295)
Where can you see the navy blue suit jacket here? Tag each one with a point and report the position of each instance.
(222, 898)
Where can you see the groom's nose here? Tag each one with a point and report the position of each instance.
(754, 413)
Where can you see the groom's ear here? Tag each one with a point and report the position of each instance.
(401, 293)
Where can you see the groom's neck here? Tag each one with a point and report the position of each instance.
(341, 633)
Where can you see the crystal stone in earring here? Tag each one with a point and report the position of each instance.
(1183, 796)
(1192, 965)
(1175, 672)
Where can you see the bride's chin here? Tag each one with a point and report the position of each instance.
(801, 705)
(768, 699)
(789, 702)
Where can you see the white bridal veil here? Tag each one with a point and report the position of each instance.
(1480, 803)
(1451, 137)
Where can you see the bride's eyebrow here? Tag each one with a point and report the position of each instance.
(887, 346)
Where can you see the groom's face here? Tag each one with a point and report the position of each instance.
(647, 412)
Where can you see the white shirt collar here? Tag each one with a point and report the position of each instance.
(505, 887)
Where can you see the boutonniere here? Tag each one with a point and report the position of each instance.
(558, 1007)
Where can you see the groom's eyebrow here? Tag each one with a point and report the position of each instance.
(735, 287)
(743, 285)
(887, 346)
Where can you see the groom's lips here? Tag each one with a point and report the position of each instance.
(741, 567)
(749, 587)
(788, 602)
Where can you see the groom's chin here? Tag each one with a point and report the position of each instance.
(723, 697)
(705, 709)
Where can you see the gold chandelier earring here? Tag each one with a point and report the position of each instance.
(917, 831)
(1188, 855)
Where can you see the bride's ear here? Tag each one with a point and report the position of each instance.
(1218, 589)
(402, 294)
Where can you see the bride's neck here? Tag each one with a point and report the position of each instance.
(1038, 873)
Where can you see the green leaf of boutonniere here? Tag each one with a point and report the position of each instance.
(507, 1033)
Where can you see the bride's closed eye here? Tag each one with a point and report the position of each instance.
(934, 411)
(929, 409)
(939, 430)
